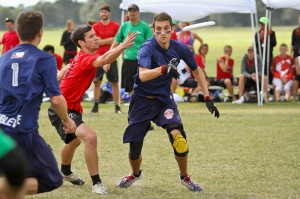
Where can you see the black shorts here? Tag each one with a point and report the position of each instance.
(112, 75)
(67, 57)
(220, 82)
(129, 69)
(297, 77)
(190, 83)
(57, 123)
(250, 84)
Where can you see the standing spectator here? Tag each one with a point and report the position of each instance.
(77, 78)
(283, 72)
(296, 40)
(13, 166)
(225, 71)
(106, 30)
(264, 21)
(174, 29)
(200, 58)
(70, 48)
(296, 81)
(58, 58)
(152, 100)
(26, 73)
(144, 32)
(10, 38)
(247, 80)
(188, 37)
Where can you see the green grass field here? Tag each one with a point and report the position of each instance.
(249, 152)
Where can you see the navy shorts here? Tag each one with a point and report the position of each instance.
(57, 123)
(42, 164)
(112, 75)
(142, 110)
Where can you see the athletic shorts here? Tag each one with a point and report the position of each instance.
(297, 77)
(221, 83)
(250, 84)
(282, 87)
(42, 164)
(190, 83)
(129, 69)
(112, 75)
(57, 123)
(142, 110)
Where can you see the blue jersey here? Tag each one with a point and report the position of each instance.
(25, 74)
(151, 56)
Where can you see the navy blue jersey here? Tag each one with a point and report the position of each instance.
(151, 56)
(25, 74)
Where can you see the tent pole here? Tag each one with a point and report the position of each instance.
(258, 36)
(255, 59)
(264, 52)
(268, 55)
(120, 62)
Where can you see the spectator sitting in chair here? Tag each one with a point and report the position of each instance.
(283, 72)
(225, 71)
(247, 80)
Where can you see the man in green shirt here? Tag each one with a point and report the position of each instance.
(12, 165)
(144, 32)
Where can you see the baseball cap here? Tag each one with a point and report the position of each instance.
(133, 7)
(175, 22)
(264, 20)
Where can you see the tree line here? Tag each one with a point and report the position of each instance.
(58, 12)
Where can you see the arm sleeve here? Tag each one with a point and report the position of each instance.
(49, 75)
(149, 33)
(273, 41)
(144, 56)
(293, 38)
(119, 36)
(63, 39)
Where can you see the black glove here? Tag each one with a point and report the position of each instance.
(171, 70)
(211, 106)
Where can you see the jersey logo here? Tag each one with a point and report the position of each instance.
(169, 114)
(17, 55)
(138, 32)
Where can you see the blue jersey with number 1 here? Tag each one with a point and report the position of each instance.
(25, 74)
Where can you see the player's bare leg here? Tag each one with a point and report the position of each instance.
(229, 87)
(97, 93)
(67, 154)
(116, 95)
(89, 138)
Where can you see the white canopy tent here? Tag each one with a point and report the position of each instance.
(196, 9)
(274, 4)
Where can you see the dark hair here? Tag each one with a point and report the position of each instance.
(283, 45)
(78, 33)
(105, 7)
(201, 46)
(227, 46)
(29, 23)
(9, 20)
(48, 48)
(163, 16)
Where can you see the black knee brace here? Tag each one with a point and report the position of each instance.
(135, 150)
(179, 142)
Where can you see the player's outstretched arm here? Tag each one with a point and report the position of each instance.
(114, 53)
(60, 107)
(199, 75)
(147, 74)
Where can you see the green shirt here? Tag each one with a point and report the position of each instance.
(143, 31)
(6, 144)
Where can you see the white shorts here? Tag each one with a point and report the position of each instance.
(279, 86)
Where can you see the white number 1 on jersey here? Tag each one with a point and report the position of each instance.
(15, 69)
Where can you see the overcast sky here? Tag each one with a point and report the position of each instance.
(15, 3)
